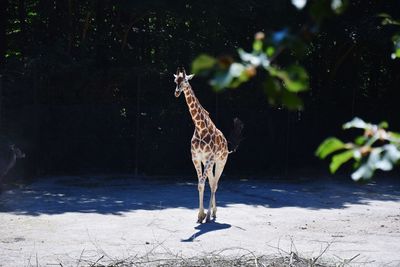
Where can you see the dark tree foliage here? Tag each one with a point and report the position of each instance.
(3, 29)
(87, 85)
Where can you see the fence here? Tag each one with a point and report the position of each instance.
(150, 131)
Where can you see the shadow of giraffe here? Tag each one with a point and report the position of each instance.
(204, 228)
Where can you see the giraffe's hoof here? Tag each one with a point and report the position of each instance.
(201, 217)
(208, 217)
(214, 214)
(212, 219)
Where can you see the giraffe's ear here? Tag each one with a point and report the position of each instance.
(189, 77)
(175, 76)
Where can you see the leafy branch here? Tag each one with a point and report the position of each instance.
(281, 84)
(282, 81)
(376, 149)
(390, 21)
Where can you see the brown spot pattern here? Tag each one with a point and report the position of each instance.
(218, 141)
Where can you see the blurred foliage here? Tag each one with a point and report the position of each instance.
(389, 21)
(282, 82)
(376, 149)
(396, 42)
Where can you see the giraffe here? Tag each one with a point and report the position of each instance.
(209, 146)
(7, 162)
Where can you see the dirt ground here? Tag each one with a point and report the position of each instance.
(67, 221)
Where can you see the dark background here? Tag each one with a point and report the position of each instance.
(87, 86)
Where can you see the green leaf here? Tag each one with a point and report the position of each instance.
(273, 90)
(384, 125)
(363, 172)
(329, 146)
(291, 100)
(257, 45)
(238, 74)
(356, 123)
(32, 14)
(295, 77)
(395, 136)
(237, 81)
(202, 63)
(392, 153)
(270, 51)
(298, 79)
(361, 140)
(339, 159)
(236, 69)
(397, 53)
(388, 20)
(384, 164)
(221, 81)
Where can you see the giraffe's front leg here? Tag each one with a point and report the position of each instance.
(197, 165)
(211, 181)
(201, 215)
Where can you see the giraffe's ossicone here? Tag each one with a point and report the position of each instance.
(209, 146)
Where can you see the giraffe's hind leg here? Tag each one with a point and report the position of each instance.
(207, 172)
(211, 179)
(219, 168)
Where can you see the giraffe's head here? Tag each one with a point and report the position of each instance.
(18, 153)
(181, 79)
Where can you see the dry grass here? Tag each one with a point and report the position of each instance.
(212, 260)
(235, 256)
(222, 258)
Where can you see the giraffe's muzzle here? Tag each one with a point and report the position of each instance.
(177, 92)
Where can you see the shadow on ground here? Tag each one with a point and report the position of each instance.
(205, 228)
(112, 195)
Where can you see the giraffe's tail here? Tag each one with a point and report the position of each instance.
(235, 136)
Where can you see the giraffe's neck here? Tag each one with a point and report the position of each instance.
(10, 164)
(197, 112)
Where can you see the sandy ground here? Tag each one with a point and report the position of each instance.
(68, 220)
